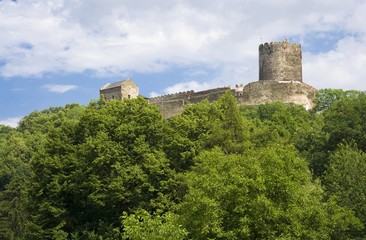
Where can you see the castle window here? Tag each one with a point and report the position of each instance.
(129, 96)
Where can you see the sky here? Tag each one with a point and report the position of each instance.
(58, 52)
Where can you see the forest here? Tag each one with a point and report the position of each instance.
(119, 170)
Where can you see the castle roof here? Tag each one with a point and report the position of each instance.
(115, 84)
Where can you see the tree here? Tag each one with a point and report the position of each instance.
(91, 170)
(186, 131)
(345, 180)
(265, 193)
(14, 175)
(326, 97)
(142, 225)
(228, 130)
(345, 122)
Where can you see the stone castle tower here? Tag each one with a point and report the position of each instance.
(280, 77)
(280, 61)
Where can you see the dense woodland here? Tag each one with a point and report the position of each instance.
(118, 170)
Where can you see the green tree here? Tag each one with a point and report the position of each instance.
(14, 176)
(44, 121)
(265, 193)
(345, 180)
(90, 171)
(142, 225)
(228, 130)
(326, 97)
(345, 122)
(186, 130)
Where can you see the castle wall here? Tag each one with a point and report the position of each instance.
(290, 92)
(254, 93)
(173, 104)
(170, 108)
(211, 95)
(280, 61)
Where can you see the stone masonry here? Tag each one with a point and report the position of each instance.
(119, 90)
(280, 61)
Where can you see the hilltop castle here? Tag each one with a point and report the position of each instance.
(280, 79)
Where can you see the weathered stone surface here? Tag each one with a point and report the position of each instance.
(290, 92)
(280, 61)
(119, 90)
(173, 104)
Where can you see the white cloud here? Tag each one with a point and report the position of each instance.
(343, 67)
(11, 122)
(59, 88)
(116, 36)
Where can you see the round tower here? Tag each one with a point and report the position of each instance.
(281, 61)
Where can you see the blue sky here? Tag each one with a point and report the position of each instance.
(57, 52)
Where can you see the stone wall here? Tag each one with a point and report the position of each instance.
(254, 93)
(120, 90)
(111, 93)
(290, 92)
(129, 89)
(280, 61)
(173, 104)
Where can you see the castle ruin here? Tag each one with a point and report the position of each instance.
(280, 79)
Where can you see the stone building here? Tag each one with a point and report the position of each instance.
(280, 79)
(120, 90)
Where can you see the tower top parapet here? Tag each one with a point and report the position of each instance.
(282, 44)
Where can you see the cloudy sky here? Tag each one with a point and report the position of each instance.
(55, 52)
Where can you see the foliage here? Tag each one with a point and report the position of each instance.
(113, 170)
(345, 180)
(186, 131)
(262, 194)
(326, 97)
(109, 162)
(14, 174)
(42, 122)
(142, 225)
(345, 122)
(228, 130)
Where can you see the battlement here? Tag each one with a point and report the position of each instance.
(173, 104)
(171, 96)
(187, 94)
(269, 48)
